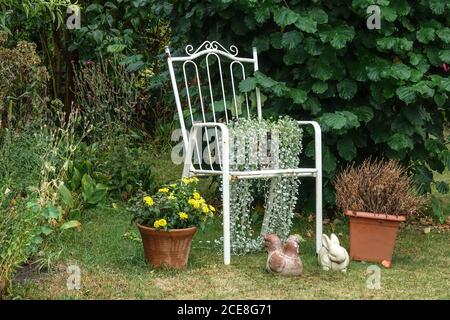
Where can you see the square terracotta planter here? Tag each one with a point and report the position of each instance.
(372, 236)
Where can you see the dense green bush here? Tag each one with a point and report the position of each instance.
(375, 92)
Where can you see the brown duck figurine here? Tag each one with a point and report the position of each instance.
(285, 260)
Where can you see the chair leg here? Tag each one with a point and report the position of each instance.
(226, 219)
(318, 212)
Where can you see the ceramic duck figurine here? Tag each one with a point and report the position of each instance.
(332, 256)
(285, 260)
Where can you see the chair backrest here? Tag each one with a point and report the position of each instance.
(206, 81)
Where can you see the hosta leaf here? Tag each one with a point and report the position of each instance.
(66, 196)
(306, 24)
(346, 148)
(284, 16)
(291, 39)
(399, 142)
(347, 89)
(406, 94)
(425, 34)
(319, 87)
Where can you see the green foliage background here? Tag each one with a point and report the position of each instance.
(375, 92)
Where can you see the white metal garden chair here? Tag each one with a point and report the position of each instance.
(204, 103)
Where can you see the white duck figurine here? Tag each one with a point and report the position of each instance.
(332, 256)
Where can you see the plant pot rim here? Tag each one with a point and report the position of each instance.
(377, 216)
(181, 230)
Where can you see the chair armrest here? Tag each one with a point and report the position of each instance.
(317, 142)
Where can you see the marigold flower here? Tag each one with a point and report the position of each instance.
(163, 190)
(212, 208)
(160, 223)
(196, 196)
(205, 209)
(148, 201)
(183, 215)
(194, 203)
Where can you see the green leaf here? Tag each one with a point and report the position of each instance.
(95, 7)
(445, 56)
(329, 161)
(406, 94)
(444, 34)
(88, 186)
(399, 142)
(291, 39)
(70, 224)
(46, 230)
(247, 85)
(262, 14)
(445, 158)
(400, 71)
(318, 15)
(389, 14)
(442, 187)
(298, 95)
(347, 89)
(115, 48)
(50, 212)
(319, 70)
(135, 66)
(437, 6)
(440, 99)
(346, 148)
(98, 36)
(425, 35)
(339, 120)
(284, 16)
(313, 46)
(364, 114)
(306, 24)
(98, 196)
(66, 196)
(319, 87)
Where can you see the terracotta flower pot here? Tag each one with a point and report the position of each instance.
(167, 248)
(372, 236)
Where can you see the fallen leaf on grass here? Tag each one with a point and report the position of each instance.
(427, 230)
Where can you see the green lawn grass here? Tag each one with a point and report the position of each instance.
(113, 266)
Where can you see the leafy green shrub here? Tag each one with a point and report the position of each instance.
(18, 228)
(375, 92)
(23, 83)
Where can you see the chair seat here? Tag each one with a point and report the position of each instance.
(266, 173)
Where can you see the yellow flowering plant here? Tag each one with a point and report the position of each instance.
(174, 206)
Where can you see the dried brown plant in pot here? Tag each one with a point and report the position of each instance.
(376, 195)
